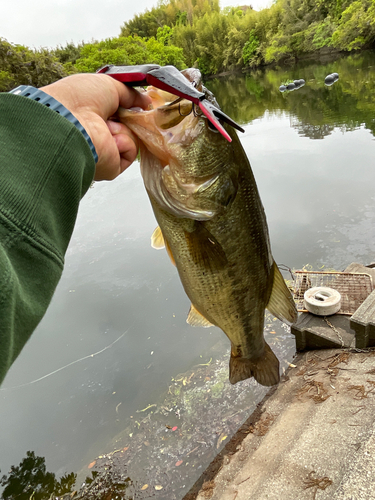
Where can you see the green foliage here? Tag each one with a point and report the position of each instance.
(168, 13)
(68, 54)
(278, 50)
(22, 66)
(323, 33)
(181, 18)
(197, 33)
(210, 41)
(184, 36)
(250, 49)
(164, 35)
(309, 25)
(127, 51)
(357, 26)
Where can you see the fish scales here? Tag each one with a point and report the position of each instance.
(226, 294)
(213, 224)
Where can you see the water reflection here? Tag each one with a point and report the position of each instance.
(31, 480)
(317, 109)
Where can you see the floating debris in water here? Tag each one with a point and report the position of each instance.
(296, 84)
(331, 79)
(203, 409)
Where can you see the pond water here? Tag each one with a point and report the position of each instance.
(115, 339)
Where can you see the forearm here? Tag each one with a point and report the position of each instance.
(46, 167)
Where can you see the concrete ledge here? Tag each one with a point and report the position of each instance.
(363, 322)
(313, 332)
(308, 437)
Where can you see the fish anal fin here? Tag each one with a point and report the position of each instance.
(281, 303)
(204, 249)
(195, 318)
(157, 239)
(265, 369)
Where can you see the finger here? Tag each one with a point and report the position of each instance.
(126, 142)
(128, 149)
(129, 97)
(118, 128)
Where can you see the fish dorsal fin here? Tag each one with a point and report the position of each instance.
(281, 303)
(157, 239)
(195, 318)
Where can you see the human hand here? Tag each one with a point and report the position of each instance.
(93, 99)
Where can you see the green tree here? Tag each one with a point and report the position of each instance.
(164, 35)
(169, 13)
(128, 51)
(356, 27)
(250, 48)
(20, 65)
(68, 54)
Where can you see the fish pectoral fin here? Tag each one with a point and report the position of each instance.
(204, 249)
(281, 303)
(265, 369)
(158, 242)
(195, 318)
(157, 239)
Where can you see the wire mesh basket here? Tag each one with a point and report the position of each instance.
(353, 287)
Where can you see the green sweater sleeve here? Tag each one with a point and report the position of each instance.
(46, 166)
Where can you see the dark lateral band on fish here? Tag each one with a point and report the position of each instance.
(169, 79)
(213, 226)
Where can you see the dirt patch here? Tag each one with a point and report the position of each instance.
(262, 426)
(208, 489)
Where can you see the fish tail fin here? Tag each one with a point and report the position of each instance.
(265, 369)
(281, 303)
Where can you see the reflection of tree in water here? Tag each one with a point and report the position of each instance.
(314, 131)
(30, 480)
(317, 109)
(110, 484)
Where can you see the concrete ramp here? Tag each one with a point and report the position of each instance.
(313, 437)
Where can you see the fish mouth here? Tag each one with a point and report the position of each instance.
(208, 108)
(167, 131)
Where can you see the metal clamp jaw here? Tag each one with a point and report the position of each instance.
(168, 78)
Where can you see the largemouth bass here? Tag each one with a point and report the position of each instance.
(212, 223)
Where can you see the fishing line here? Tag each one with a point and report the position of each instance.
(284, 267)
(66, 366)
